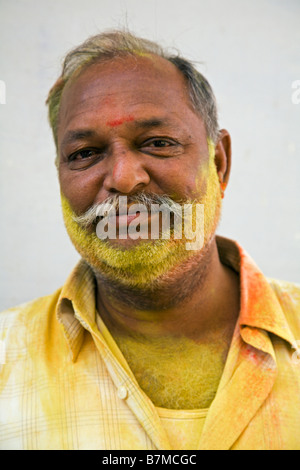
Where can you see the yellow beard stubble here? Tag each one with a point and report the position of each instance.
(144, 263)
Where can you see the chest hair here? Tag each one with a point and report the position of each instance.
(177, 373)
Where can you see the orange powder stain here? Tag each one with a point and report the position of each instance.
(223, 187)
(251, 354)
(118, 122)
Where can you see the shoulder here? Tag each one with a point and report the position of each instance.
(288, 296)
(24, 315)
(288, 293)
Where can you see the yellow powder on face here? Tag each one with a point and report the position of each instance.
(136, 266)
(146, 261)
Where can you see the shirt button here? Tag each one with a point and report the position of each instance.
(122, 392)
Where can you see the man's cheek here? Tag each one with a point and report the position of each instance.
(80, 195)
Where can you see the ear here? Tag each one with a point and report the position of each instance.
(223, 156)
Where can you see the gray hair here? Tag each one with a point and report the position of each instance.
(109, 45)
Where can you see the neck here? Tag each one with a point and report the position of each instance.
(198, 298)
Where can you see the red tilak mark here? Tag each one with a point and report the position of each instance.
(118, 122)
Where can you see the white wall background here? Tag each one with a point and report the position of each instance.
(250, 52)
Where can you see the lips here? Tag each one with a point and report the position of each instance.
(126, 219)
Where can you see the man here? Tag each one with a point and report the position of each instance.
(152, 343)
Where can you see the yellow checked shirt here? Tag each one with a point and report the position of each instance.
(66, 385)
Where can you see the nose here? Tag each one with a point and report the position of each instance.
(126, 173)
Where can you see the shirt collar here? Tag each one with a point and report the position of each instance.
(259, 307)
(76, 307)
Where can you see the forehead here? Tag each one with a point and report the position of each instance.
(135, 83)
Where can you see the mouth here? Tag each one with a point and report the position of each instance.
(123, 216)
(135, 220)
(125, 219)
(133, 224)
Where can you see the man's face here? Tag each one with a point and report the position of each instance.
(128, 126)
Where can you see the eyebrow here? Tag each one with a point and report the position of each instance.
(77, 134)
(81, 134)
(150, 123)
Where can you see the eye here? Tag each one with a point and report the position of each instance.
(160, 147)
(84, 158)
(82, 155)
(159, 143)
